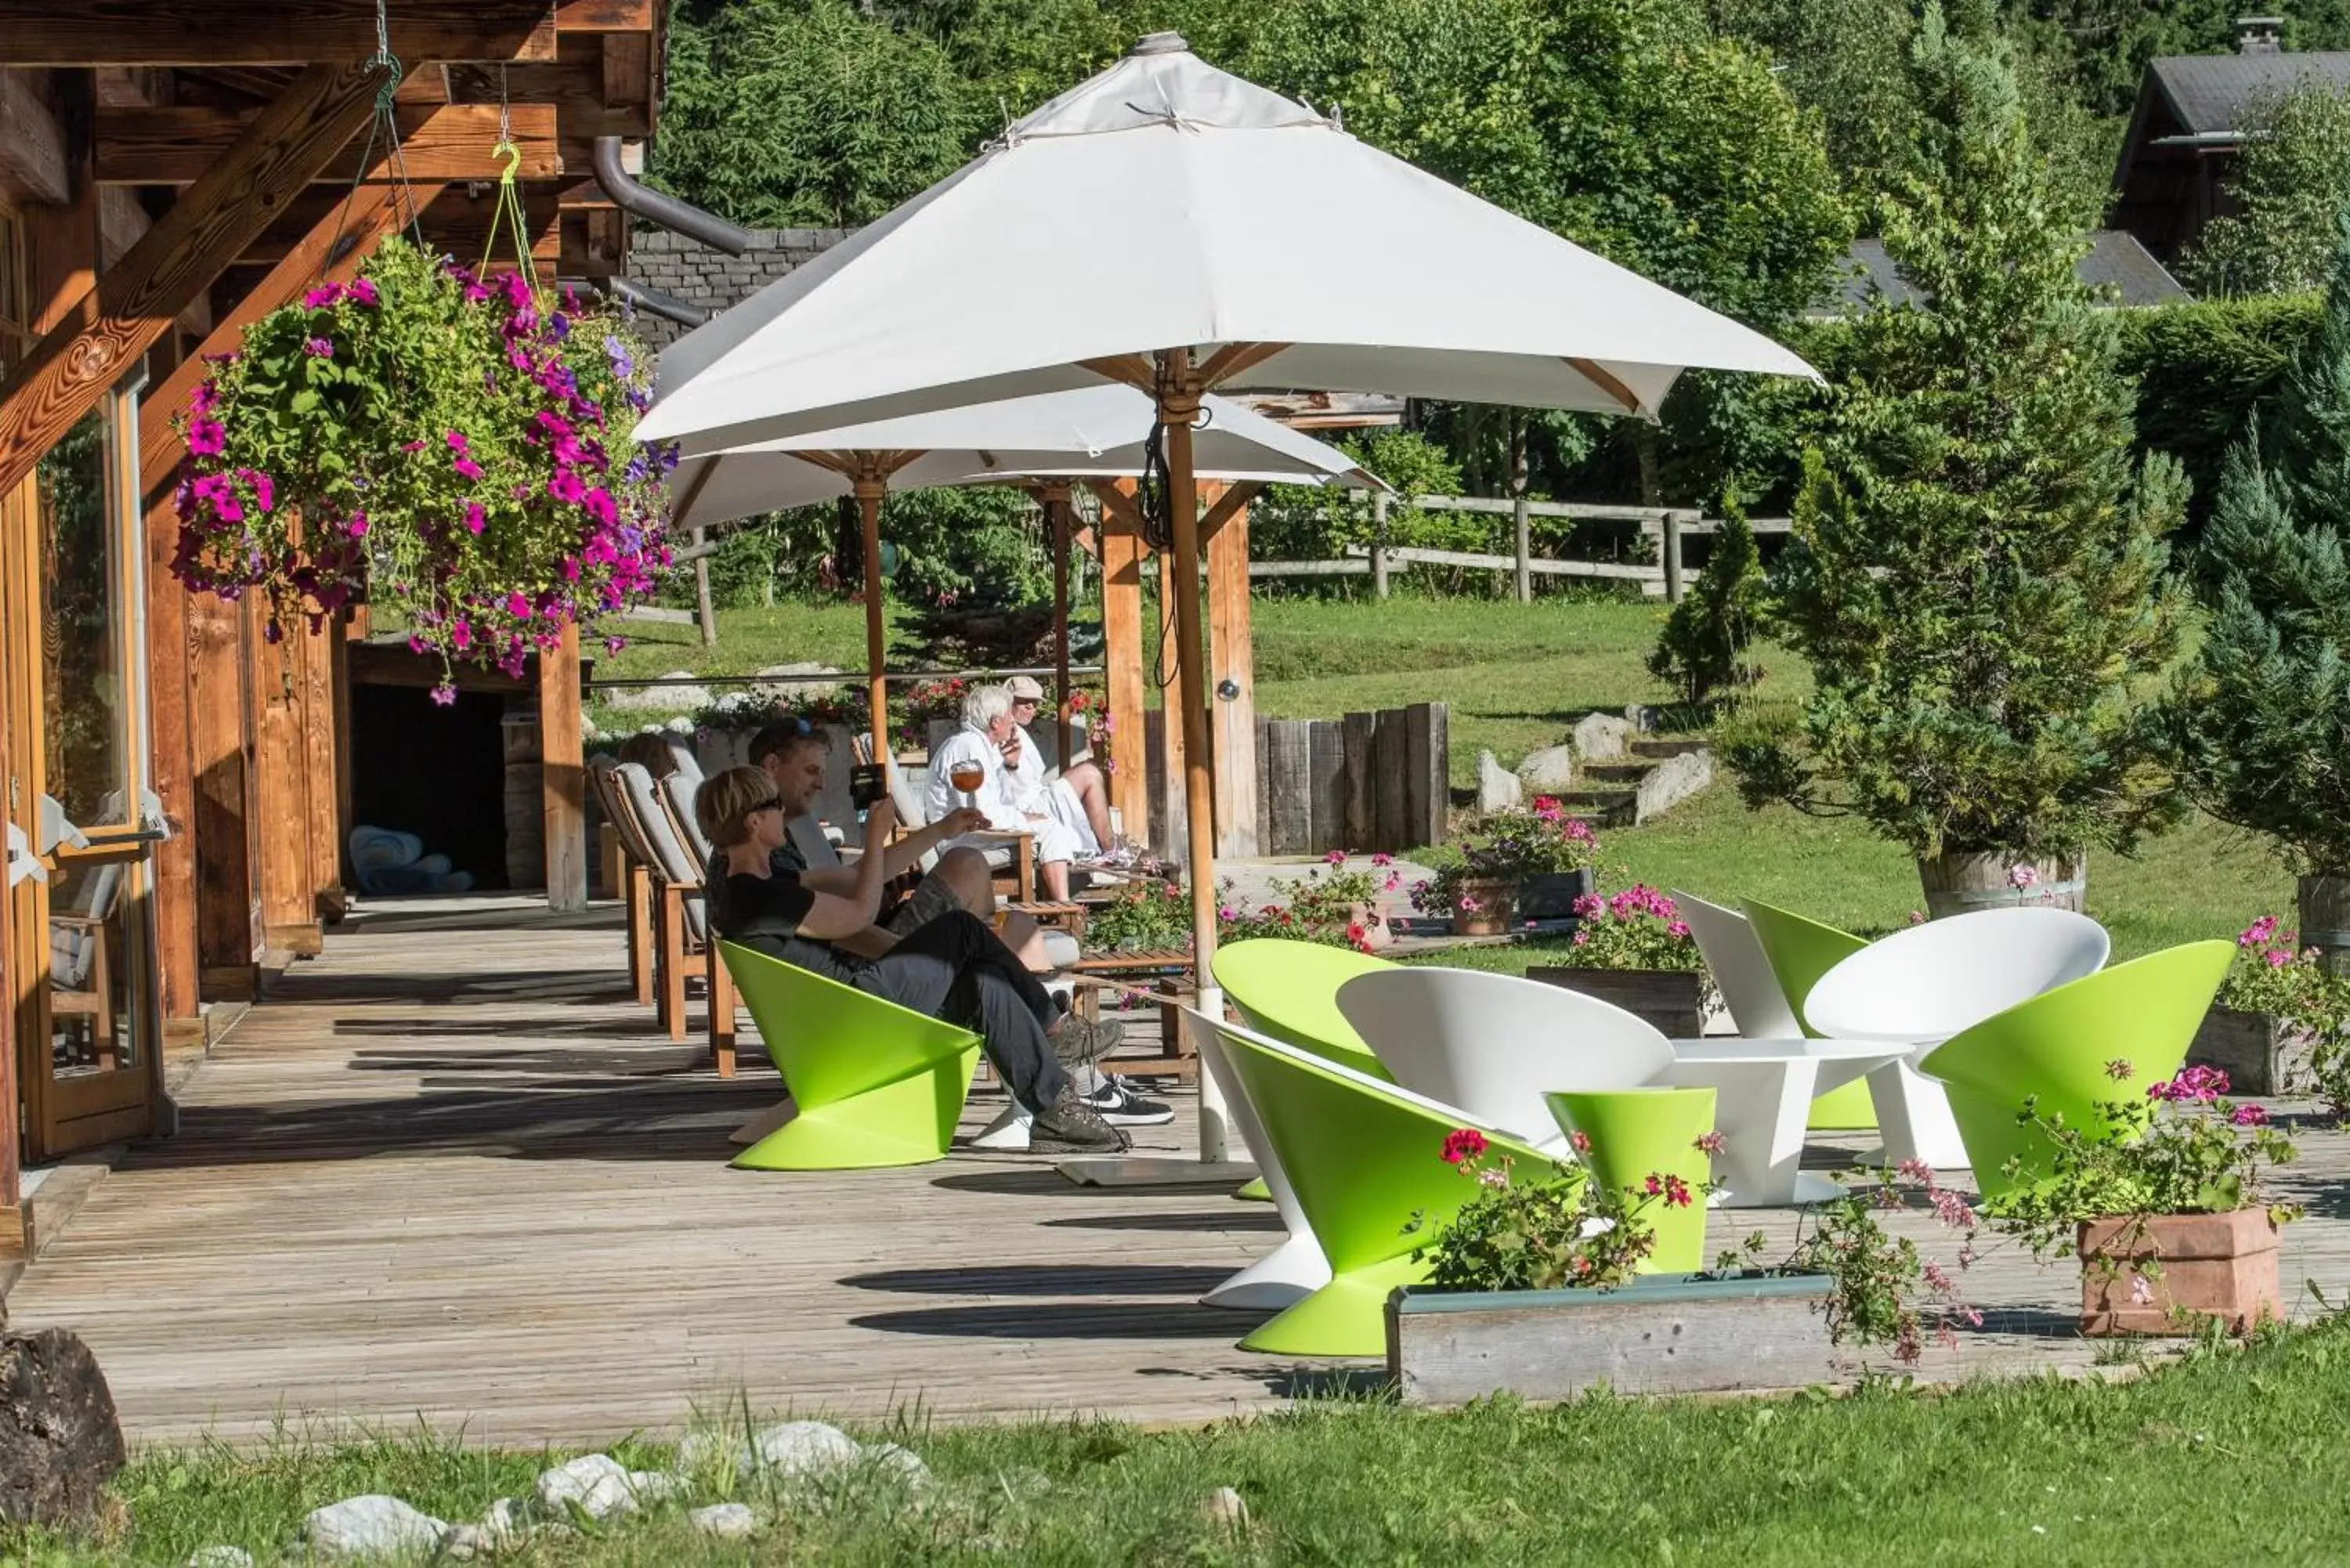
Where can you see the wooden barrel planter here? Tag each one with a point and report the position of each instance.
(1960, 884)
(2262, 1054)
(1671, 1000)
(2323, 906)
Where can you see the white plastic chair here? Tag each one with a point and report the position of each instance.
(1495, 1044)
(1742, 971)
(1918, 987)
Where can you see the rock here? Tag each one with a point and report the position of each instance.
(1644, 717)
(661, 698)
(1672, 781)
(1227, 1507)
(598, 1484)
(1497, 786)
(505, 1523)
(1602, 737)
(221, 1557)
(698, 1449)
(728, 1521)
(904, 1462)
(466, 1542)
(798, 1448)
(655, 1486)
(59, 1441)
(1552, 768)
(372, 1526)
(776, 682)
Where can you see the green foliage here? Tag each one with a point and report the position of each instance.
(1708, 644)
(1549, 1230)
(1977, 573)
(2258, 720)
(2288, 188)
(2294, 989)
(1311, 523)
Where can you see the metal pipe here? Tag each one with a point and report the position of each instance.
(641, 201)
(652, 301)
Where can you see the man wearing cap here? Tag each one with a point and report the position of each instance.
(1078, 800)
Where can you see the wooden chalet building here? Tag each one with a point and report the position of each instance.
(176, 790)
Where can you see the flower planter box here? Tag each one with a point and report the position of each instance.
(1494, 913)
(2262, 1054)
(2210, 1265)
(1668, 1333)
(1671, 1000)
(1552, 896)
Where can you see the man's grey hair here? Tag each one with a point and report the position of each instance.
(984, 705)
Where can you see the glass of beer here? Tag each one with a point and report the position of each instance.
(968, 774)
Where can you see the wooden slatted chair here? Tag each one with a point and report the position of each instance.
(681, 933)
(634, 875)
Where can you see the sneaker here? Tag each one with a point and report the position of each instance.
(1070, 1126)
(1121, 1108)
(1080, 1042)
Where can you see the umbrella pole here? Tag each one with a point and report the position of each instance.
(1179, 405)
(870, 487)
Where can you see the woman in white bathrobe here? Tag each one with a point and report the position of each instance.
(1000, 795)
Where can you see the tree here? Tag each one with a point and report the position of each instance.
(805, 113)
(1977, 571)
(2292, 181)
(1706, 646)
(2262, 719)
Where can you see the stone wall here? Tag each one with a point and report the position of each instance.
(711, 278)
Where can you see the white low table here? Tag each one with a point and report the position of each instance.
(1764, 1091)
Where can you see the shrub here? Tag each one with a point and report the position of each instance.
(1705, 645)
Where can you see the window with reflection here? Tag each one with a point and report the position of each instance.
(85, 704)
(94, 969)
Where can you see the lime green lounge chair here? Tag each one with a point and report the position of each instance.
(2056, 1049)
(1800, 951)
(873, 1083)
(1362, 1158)
(1637, 1133)
(1289, 991)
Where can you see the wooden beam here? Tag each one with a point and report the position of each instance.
(115, 322)
(451, 141)
(207, 32)
(1135, 370)
(1228, 502)
(337, 241)
(564, 775)
(32, 146)
(1232, 651)
(456, 219)
(1234, 359)
(605, 15)
(1605, 379)
(578, 85)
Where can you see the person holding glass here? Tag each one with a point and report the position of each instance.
(1078, 799)
(969, 769)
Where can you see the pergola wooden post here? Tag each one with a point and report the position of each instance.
(872, 483)
(563, 773)
(1053, 494)
(1233, 648)
(1121, 576)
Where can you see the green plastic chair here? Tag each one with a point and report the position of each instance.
(1800, 952)
(1289, 991)
(873, 1083)
(1635, 1133)
(2055, 1049)
(1363, 1158)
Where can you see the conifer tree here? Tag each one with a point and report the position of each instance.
(1977, 575)
(1707, 645)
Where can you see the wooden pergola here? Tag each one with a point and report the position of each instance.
(178, 168)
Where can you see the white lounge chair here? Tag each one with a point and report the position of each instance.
(1918, 987)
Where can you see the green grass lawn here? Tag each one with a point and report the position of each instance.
(1517, 676)
(2228, 1458)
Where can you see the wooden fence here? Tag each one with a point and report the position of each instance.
(1366, 782)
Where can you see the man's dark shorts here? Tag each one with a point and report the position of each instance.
(930, 898)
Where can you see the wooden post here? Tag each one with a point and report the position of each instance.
(1524, 548)
(1179, 405)
(1289, 790)
(122, 314)
(701, 611)
(1121, 565)
(563, 773)
(1326, 772)
(281, 813)
(1362, 818)
(1671, 551)
(1379, 544)
(221, 727)
(1389, 767)
(1053, 495)
(870, 487)
(1231, 642)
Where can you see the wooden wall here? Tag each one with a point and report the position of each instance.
(1365, 783)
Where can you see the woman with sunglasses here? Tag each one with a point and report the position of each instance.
(952, 968)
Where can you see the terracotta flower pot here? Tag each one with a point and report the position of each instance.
(2212, 1265)
(1373, 918)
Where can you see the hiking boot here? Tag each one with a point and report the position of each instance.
(1080, 1042)
(1122, 1107)
(1069, 1126)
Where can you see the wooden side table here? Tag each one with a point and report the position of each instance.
(1168, 974)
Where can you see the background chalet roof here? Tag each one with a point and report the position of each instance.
(2114, 260)
(2207, 93)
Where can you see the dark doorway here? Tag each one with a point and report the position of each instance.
(438, 773)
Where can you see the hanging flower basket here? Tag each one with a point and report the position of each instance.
(452, 450)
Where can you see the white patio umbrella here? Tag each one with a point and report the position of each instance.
(1088, 433)
(1242, 219)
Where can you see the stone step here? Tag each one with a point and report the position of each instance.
(1604, 807)
(1655, 746)
(1629, 773)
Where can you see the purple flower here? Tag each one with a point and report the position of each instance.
(264, 493)
(357, 526)
(318, 348)
(517, 605)
(618, 352)
(363, 291)
(566, 486)
(445, 694)
(468, 467)
(205, 398)
(2251, 1117)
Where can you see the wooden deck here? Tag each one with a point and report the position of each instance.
(448, 1172)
